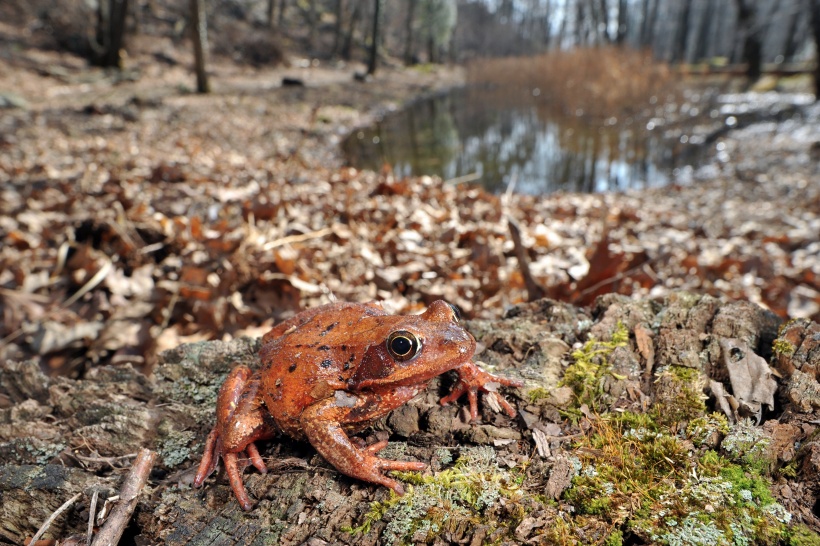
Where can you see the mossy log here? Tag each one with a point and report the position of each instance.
(60, 437)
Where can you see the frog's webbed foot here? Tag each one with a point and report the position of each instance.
(235, 463)
(471, 380)
(321, 425)
(237, 404)
(379, 466)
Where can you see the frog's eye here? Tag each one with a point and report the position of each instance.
(403, 345)
(456, 313)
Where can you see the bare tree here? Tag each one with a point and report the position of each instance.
(199, 34)
(347, 43)
(623, 22)
(271, 8)
(374, 47)
(679, 52)
(409, 56)
(338, 30)
(814, 14)
(750, 35)
(110, 38)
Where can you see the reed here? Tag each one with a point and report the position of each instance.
(599, 82)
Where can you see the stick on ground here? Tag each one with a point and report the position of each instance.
(116, 523)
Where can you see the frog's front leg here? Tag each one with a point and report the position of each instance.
(241, 420)
(322, 424)
(471, 380)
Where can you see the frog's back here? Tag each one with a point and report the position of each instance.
(307, 357)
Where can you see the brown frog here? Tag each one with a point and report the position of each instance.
(329, 372)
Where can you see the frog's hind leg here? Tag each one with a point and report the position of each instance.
(321, 424)
(241, 420)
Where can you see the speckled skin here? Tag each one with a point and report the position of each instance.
(329, 372)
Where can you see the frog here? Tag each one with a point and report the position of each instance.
(328, 373)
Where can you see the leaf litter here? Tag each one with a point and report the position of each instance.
(139, 217)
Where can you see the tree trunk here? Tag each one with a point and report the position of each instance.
(280, 17)
(679, 53)
(199, 34)
(814, 14)
(313, 24)
(111, 16)
(347, 46)
(408, 28)
(271, 9)
(701, 45)
(752, 49)
(623, 22)
(602, 23)
(338, 30)
(374, 47)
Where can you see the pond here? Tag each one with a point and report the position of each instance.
(473, 135)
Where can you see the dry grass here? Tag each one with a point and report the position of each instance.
(600, 82)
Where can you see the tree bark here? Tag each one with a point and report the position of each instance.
(409, 56)
(814, 14)
(199, 30)
(60, 437)
(347, 45)
(374, 46)
(270, 12)
(338, 31)
(111, 17)
(280, 17)
(752, 50)
(679, 52)
(623, 22)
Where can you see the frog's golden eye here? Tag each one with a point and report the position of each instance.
(456, 313)
(403, 345)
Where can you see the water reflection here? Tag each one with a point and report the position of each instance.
(500, 139)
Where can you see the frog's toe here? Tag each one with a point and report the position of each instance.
(385, 465)
(395, 485)
(405, 466)
(256, 458)
(234, 471)
(210, 458)
(372, 449)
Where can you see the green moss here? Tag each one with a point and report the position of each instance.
(679, 396)
(641, 475)
(800, 535)
(708, 429)
(748, 444)
(537, 394)
(466, 493)
(783, 347)
(590, 367)
(615, 539)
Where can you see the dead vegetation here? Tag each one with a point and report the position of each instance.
(599, 83)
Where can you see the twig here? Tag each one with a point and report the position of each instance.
(297, 238)
(471, 177)
(115, 525)
(98, 277)
(534, 290)
(44, 527)
(107, 460)
(92, 512)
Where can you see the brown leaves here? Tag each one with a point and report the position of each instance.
(203, 217)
